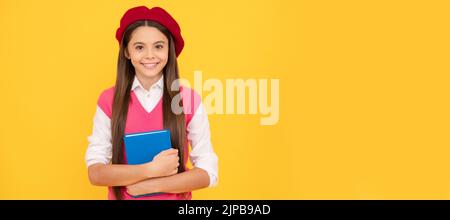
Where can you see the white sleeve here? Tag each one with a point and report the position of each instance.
(202, 154)
(100, 147)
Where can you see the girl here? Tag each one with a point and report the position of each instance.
(146, 85)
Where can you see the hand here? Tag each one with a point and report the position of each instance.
(134, 189)
(164, 164)
(141, 188)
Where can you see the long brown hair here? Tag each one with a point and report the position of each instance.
(125, 75)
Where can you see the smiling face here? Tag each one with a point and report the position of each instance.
(148, 50)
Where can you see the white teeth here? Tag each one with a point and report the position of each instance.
(149, 65)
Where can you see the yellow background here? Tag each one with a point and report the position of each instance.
(364, 88)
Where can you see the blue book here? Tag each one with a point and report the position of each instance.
(143, 147)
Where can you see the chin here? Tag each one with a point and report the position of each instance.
(151, 74)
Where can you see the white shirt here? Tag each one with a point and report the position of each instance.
(202, 154)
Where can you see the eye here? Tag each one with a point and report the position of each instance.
(159, 46)
(139, 47)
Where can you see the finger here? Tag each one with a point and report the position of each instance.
(174, 157)
(169, 151)
(175, 151)
(172, 151)
(129, 191)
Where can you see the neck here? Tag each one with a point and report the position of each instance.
(148, 82)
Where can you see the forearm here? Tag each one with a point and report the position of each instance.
(116, 174)
(193, 179)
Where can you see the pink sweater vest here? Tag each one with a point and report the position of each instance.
(139, 120)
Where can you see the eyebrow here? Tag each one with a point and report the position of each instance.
(138, 42)
(160, 41)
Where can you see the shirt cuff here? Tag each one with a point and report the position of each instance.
(211, 169)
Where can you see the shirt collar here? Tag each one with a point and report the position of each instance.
(137, 84)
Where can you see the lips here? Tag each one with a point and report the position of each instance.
(149, 65)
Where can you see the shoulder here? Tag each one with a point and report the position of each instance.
(105, 101)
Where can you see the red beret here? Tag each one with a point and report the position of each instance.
(156, 14)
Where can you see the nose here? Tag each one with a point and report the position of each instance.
(149, 54)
